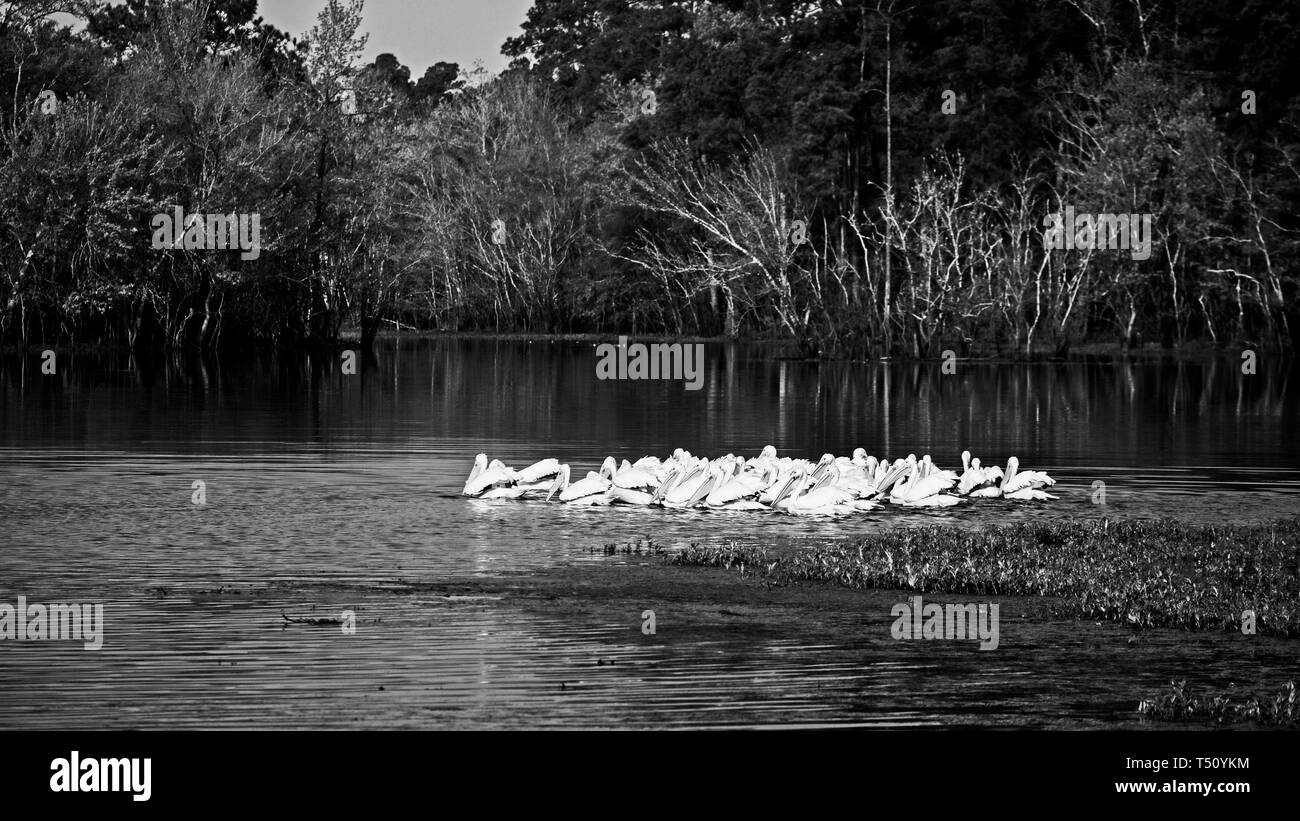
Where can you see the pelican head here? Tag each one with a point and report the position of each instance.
(965, 460)
(608, 468)
(768, 452)
(671, 479)
(822, 464)
(715, 474)
(1013, 464)
(480, 465)
(792, 486)
(911, 471)
(830, 475)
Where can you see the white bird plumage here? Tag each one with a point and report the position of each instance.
(831, 486)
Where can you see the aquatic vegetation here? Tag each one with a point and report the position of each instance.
(1182, 703)
(724, 556)
(640, 547)
(1138, 573)
(314, 622)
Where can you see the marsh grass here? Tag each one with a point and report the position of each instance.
(1182, 703)
(1139, 573)
(640, 547)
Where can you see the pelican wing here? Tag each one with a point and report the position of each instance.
(925, 487)
(590, 486)
(630, 496)
(636, 479)
(823, 496)
(744, 486)
(490, 477)
(1029, 495)
(538, 471)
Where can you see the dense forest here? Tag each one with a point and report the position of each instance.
(858, 177)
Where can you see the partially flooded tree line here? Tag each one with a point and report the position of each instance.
(502, 207)
(970, 270)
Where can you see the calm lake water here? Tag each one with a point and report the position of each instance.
(324, 489)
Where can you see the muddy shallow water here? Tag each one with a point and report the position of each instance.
(327, 492)
(565, 648)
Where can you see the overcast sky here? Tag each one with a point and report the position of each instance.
(419, 32)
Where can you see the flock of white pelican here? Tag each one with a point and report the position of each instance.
(832, 486)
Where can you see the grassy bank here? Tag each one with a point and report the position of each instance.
(1181, 702)
(1138, 573)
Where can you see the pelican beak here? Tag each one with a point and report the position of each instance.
(822, 465)
(705, 487)
(694, 472)
(666, 484)
(785, 489)
(558, 483)
(892, 476)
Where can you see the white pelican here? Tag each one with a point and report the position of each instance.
(650, 463)
(897, 472)
(534, 480)
(918, 490)
(819, 470)
(495, 480)
(593, 490)
(1017, 478)
(767, 456)
(931, 470)
(630, 484)
(888, 474)
(784, 470)
(486, 475)
(859, 483)
(1025, 485)
(827, 500)
(969, 479)
(978, 481)
(692, 488)
(539, 471)
(740, 490)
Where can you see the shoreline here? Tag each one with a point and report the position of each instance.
(1052, 669)
(567, 645)
(785, 349)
